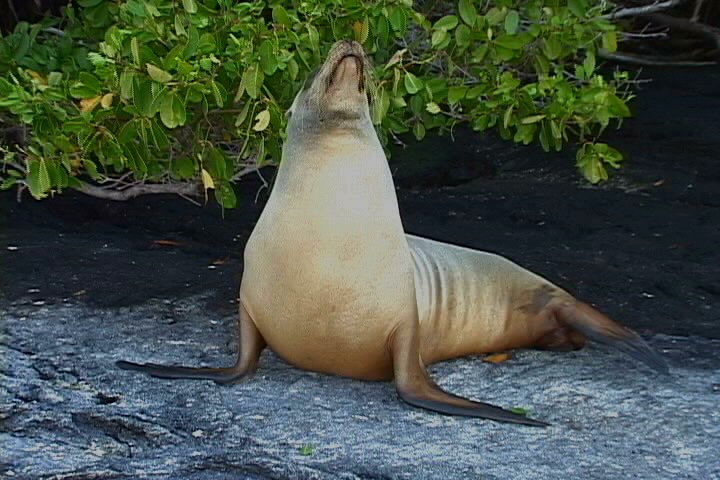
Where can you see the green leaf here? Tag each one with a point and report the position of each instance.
(313, 38)
(419, 131)
(468, 13)
(438, 37)
(219, 93)
(544, 137)
(89, 3)
(494, 16)
(398, 21)
(577, 7)
(508, 116)
(158, 74)
(589, 63)
(268, 59)
(383, 31)
(216, 164)
(412, 83)
(380, 106)
(455, 94)
(609, 41)
(512, 42)
(555, 128)
(87, 86)
(135, 50)
(207, 43)
(446, 23)
(617, 107)
(225, 195)
(262, 120)
(189, 6)
(38, 178)
(293, 68)
(252, 81)
(240, 119)
(553, 46)
(91, 169)
(362, 30)
(463, 36)
(172, 111)
(306, 450)
(184, 167)
(126, 85)
(179, 28)
(143, 97)
(532, 119)
(192, 44)
(432, 108)
(260, 155)
(159, 137)
(280, 15)
(54, 79)
(512, 20)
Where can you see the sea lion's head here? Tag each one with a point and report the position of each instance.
(334, 96)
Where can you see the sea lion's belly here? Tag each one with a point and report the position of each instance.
(328, 302)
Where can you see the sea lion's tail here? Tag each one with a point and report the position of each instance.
(598, 327)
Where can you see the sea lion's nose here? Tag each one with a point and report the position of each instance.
(349, 46)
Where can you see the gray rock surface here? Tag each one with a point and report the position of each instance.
(68, 413)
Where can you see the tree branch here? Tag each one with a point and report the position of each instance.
(185, 189)
(651, 61)
(657, 6)
(708, 31)
(696, 12)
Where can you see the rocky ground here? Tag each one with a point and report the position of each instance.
(85, 282)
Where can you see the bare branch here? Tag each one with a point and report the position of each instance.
(55, 31)
(656, 6)
(651, 61)
(708, 31)
(243, 172)
(183, 189)
(12, 10)
(643, 35)
(696, 12)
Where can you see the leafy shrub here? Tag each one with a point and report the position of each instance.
(120, 98)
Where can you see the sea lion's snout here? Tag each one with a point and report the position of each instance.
(347, 61)
(348, 72)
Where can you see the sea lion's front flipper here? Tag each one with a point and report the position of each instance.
(416, 387)
(251, 345)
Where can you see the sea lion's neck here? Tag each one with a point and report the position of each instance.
(350, 149)
(334, 173)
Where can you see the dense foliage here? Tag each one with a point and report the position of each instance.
(118, 95)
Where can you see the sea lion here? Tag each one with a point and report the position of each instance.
(333, 284)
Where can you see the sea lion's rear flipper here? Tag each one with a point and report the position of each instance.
(597, 327)
(251, 345)
(416, 388)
